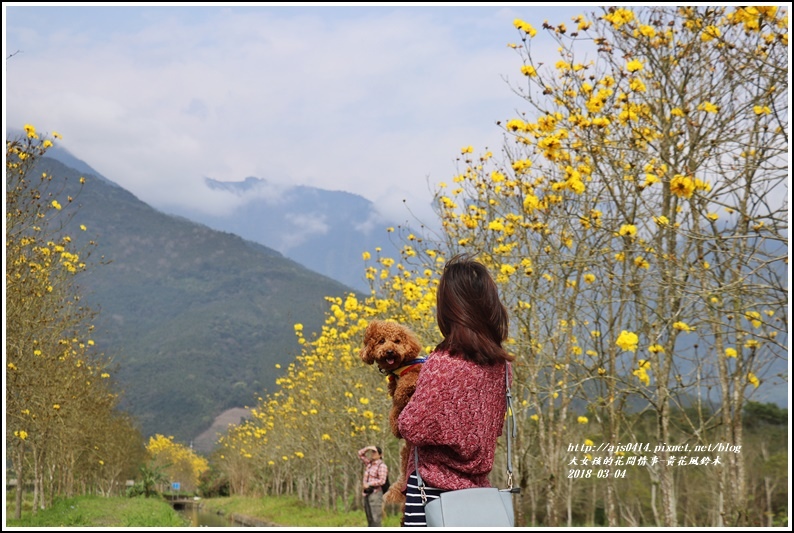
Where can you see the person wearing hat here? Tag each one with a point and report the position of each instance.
(375, 474)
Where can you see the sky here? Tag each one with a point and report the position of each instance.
(376, 100)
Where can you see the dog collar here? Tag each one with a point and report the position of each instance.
(398, 372)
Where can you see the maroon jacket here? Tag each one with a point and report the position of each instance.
(455, 417)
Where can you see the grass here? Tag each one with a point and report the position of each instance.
(99, 511)
(289, 511)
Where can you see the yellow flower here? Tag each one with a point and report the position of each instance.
(619, 17)
(525, 27)
(535, 417)
(326, 436)
(753, 379)
(730, 352)
(366, 256)
(682, 186)
(496, 225)
(627, 341)
(754, 317)
(650, 179)
(643, 376)
(363, 401)
(656, 348)
(56, 406)
(708, 107)
(529, 70)
(709, 33)
(56, 205)
(589, 278)
(531, 203)
(588, 442)
(637, 85)
(628, 230)
(683, 326)
(21, 434)
(467, 150)
(634, 65)
(47, 143)
(642, 371)
(647, 31)
(582, 420)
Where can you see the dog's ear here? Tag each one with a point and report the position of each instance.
(413, 342)
(365, 354)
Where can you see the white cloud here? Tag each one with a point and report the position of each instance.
(302, 227)
(373, 101)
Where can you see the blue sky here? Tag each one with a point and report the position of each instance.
(377, 100)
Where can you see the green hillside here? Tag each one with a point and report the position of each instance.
(195, 319)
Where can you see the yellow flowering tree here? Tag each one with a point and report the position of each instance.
(177, 462)
(58, 391)
(637, 229)
(302, 438)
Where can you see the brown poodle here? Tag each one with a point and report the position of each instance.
(397, 352)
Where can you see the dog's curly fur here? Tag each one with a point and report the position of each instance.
(392, 346)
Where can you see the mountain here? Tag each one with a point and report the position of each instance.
(326, 231)
(195, 319)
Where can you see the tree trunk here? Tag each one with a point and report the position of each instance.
(19, 467)
(667, 483)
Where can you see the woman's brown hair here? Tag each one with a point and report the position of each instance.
(471, 317)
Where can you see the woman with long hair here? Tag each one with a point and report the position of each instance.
(457, 412)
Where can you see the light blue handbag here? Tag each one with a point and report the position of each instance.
(478, 506)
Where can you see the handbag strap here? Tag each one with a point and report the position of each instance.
(511, 433)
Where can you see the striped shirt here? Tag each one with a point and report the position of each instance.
(414, 515)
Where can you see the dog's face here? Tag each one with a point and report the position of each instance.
(389, 345)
